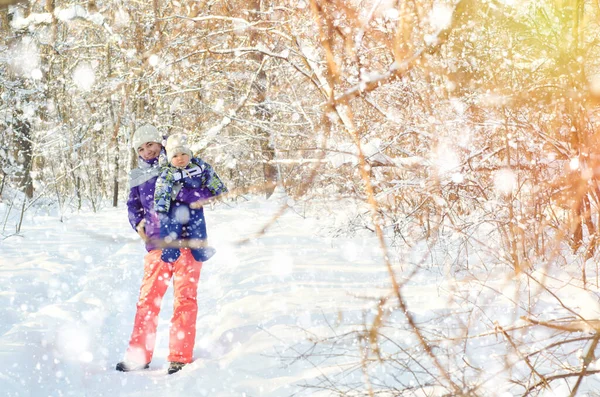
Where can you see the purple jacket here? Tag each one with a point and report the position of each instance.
(140, 204)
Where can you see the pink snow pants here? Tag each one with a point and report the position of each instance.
(186, 272)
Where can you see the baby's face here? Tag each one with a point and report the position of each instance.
(180, 160)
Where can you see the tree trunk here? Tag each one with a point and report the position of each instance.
(22, 130)
(6, 3)
(116, 181)
(262, 110)
(4, 22)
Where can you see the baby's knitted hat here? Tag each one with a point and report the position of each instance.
(177, 143)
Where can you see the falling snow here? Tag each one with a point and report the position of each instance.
(453, 212)
(505, 181)
(84, 77)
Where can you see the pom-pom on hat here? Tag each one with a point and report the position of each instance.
(177, 143)
(146, 133)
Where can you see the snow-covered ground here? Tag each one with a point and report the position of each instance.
(69, 291)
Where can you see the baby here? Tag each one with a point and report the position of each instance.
(182, 185)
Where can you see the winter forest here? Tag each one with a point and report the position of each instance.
(451, 145)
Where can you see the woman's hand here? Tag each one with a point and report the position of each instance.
(196, 205)
(141, 230)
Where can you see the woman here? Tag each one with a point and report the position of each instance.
(147, 141)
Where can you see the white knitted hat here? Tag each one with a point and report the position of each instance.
(146, 133)
(177, 143)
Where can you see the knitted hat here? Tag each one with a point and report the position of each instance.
(146, 133)
(177, 143)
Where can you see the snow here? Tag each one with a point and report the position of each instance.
(70, 289)
(440, 16)
(574, 163)
(36, 74)
(445, 158)
(62, 14)
(154, 60)
(372, 151)
(122, 19)
(70, 285)
(84, 77)
(24, 57)
(18, 22)
(471, 263)
(69, 13)
(505, 181)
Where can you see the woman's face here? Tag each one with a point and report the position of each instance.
(149, 150)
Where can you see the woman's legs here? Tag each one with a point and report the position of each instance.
(156, 280)
(183, 324)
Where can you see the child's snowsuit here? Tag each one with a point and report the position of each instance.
(179, 222)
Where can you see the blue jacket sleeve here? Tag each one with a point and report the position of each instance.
(135, 209)
(211, 181)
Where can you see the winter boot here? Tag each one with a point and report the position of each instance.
(203, 254)
(175, 367)
(125, 366)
